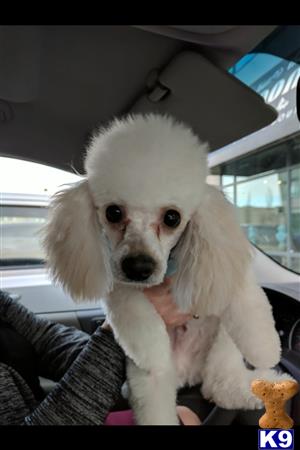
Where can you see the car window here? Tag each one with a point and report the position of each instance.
(25, 190)
(261, 173)
(20, 226)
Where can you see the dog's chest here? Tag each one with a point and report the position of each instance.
(190, 345)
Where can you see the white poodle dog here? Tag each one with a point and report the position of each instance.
(145, 199)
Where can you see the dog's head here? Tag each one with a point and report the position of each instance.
(144, 196)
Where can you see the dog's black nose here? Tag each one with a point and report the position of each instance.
(138, 268)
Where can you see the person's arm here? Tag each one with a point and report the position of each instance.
(56, 345)
(89, 389)
(92, 368)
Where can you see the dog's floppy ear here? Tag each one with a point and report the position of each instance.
(74, 244)
(212, 256)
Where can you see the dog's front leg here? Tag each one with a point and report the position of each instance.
(226, 379)
(151, 374)
(250, 323)
(152, 395)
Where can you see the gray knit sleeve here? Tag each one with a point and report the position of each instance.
(89, 389)
(56, 345)
(90, 370)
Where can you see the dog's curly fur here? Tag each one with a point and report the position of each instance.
(146, 165)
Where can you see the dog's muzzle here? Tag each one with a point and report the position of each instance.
(138, 268)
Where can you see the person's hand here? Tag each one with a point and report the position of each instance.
(187, 416)
(105, 326)
(161, 298)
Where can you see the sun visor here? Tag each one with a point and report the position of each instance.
(20, 53)
(218, 107)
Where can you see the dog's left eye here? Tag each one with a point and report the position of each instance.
(114, 214)
(172, 218)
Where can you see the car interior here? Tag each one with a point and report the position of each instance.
(59, 83)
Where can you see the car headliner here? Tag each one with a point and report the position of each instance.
(57, 83)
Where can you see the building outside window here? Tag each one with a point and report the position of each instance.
(260, 174)
(265, 188)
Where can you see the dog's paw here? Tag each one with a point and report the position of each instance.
(269, 375)
(235, 392)
(231, 397)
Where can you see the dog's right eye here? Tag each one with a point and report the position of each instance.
(114, 214)
(172, 218)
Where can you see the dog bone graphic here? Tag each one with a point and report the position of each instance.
(275, 395)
